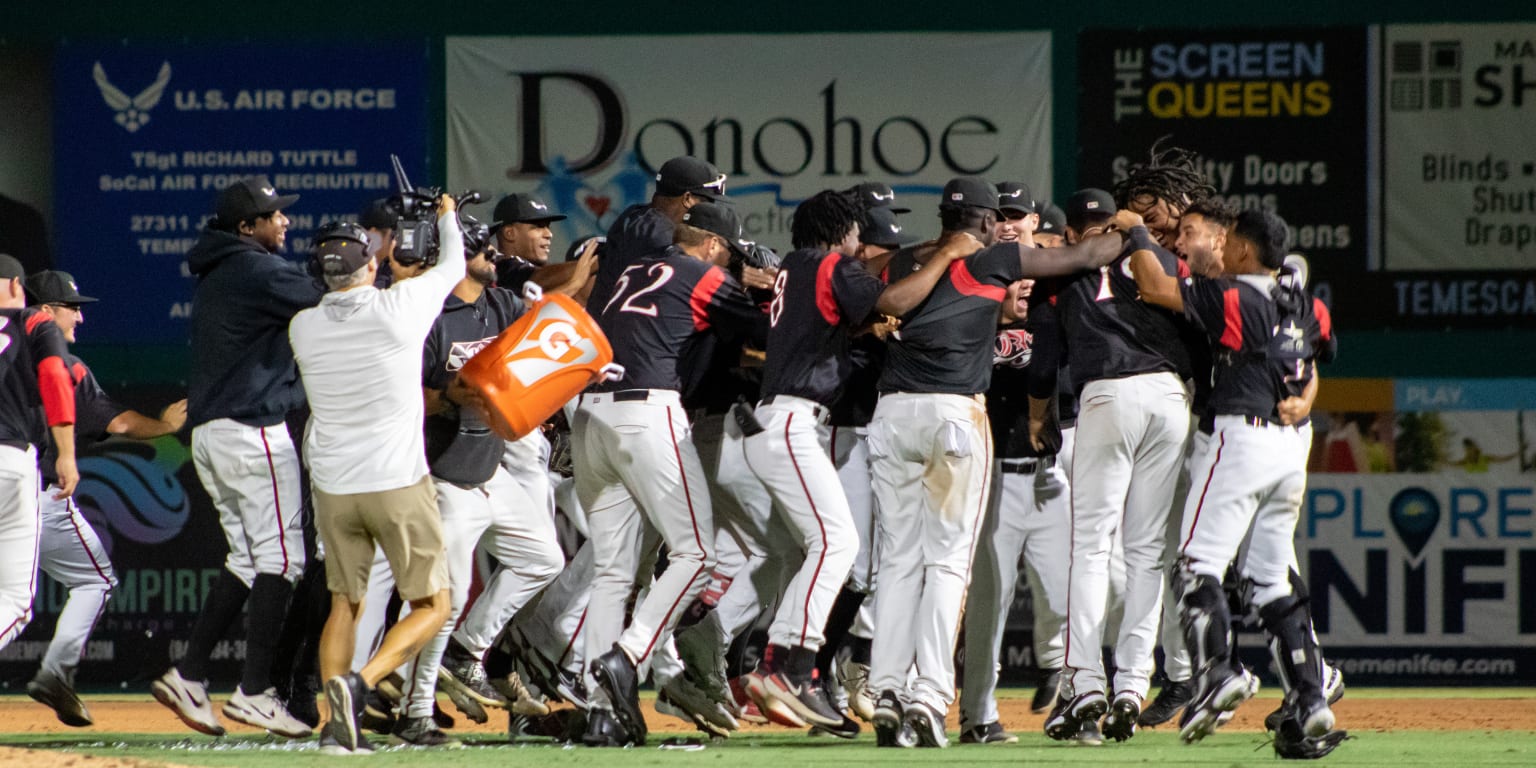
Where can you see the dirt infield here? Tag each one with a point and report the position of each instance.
(122, 714)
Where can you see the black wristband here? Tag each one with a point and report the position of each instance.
(1141, 237)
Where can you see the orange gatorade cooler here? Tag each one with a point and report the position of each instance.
(539, 363)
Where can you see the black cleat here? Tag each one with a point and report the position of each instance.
(57, 694)
(1046, 692)
(1069, 715)
(1120, 723)
(1173, 696)
(345, 694)
(987, 733)
(604, 730)
(616, 674)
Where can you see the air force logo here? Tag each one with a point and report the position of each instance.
(132, 113)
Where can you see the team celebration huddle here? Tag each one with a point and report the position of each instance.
(857, 444)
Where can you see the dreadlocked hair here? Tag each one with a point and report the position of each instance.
(826, 218)
(1170, 173)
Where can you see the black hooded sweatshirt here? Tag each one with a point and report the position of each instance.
(242, 365)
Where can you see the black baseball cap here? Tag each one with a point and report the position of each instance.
(1015, 196)
(1087, 207)
(249, 198)
(10, 268)
(969, 191)
(879, 227)
(54, 287)
(1053, 220)
(877, 194)
(379, 215)
(719, 219)
(342, 248)
(685, 174)
(574, 252)
(521, 208)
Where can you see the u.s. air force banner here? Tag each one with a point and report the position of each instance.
(147, 135)
(586, 121)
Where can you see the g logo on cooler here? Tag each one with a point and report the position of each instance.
(555, 339)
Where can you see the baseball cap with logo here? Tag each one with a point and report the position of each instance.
(521, 208)
(1053, 220)
(879, 227)
(1089, 207)
(249, 198)
(342, 248)
(54, 287)
(681, 175)
(1014, 196)
(969, 191)
(719, 219)
(877, 194)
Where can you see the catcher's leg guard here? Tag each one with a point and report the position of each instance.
(1288, 621)
(1206, 621)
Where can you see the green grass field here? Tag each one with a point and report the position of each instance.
(775, 749)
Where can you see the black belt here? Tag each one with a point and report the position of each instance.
(1027, 466)
(1259, 421)
(631, 395)
(819, 411)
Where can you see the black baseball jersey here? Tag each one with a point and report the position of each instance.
(94, 411)
(819, 300)
(945, 343)
(1111, 333)
(513, 272)
(640, 232)
(861, 392)
(658, 305)
(32, 355)
(461, 448)
(1263, 352)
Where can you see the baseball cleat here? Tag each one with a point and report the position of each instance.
(703, 658)
(265, 710)
(1222, 694)
(746, 708)
(697, 706)
(1046, 692)
(854, 677)
(773, 709)
(1120, 723)
(421, 732)
(332, 746)
(805, 699)
(1088, 734)
(524, 702)
(667, 706)
(1173, 696)
(928, 723)
(461, 675)
(604, 730)
(987, 733)
(1333, 683)
(616, 674)
(1315, 717)
(1069, 715)
(189, 700)
(466, 704)
(56, 693)
(848, 729)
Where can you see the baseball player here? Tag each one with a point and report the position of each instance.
(32, 352)
(1051, 231)
(1019, 520)
(243, 384)
(479, 501)
(69, 550)
(632, 453)
(1251, 474)
(822, 297)
(643, 231)
(1132, 425)
(932, 454)
(521, 226)
(367, 461)
(1020, 214)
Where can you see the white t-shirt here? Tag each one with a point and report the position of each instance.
(359, 354)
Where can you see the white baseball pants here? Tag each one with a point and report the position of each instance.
(1131, 434)
(72, 554)
(252, 476)
(931, 458)
(19, 533)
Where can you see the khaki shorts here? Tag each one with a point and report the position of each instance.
(403, 521)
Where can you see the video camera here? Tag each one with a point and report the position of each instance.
(415, 211)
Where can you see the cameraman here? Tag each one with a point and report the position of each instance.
(366, 457)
